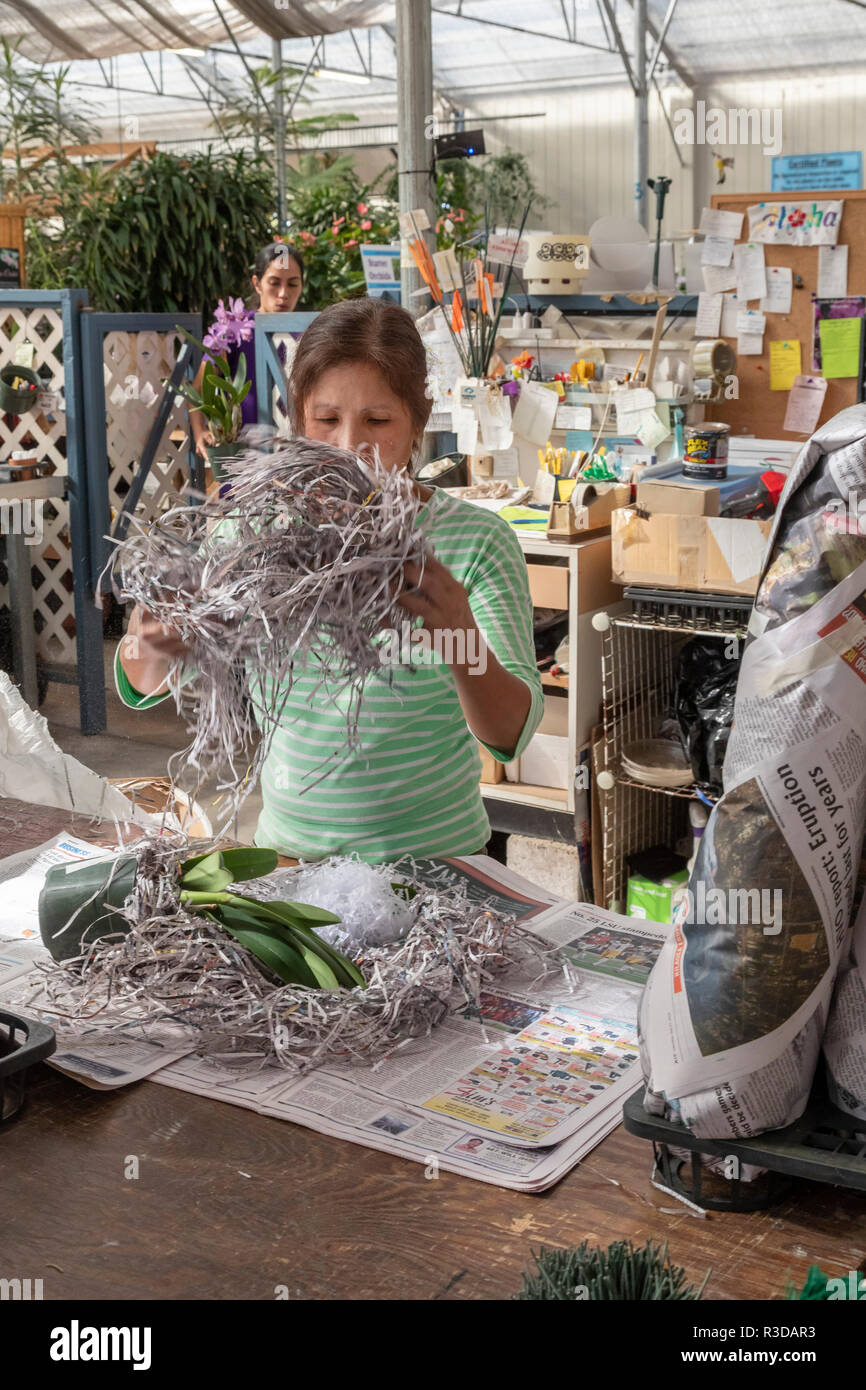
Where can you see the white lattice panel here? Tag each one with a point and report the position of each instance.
(53, 604)
(136, 366)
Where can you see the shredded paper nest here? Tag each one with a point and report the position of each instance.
(178, 977)
(293, 571)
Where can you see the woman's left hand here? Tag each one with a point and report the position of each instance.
(437, 597)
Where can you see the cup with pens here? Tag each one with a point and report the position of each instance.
(19, 389)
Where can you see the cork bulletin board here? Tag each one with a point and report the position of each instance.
(758, 410)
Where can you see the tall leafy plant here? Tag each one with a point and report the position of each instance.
(36, 116)
(170, 234)
(332, 212)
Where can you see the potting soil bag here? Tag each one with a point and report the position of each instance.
(735, 1009)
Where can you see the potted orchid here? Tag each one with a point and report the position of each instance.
(218, 392)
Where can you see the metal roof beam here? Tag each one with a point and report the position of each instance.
(661, 38)
(623, 51)
(673, 60)
(515, 29)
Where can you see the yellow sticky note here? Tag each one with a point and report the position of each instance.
(784, 365)
(840, 346)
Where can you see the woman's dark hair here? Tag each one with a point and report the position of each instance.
(276, 251)
(364, 330)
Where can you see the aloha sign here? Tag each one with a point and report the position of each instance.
(795, 224)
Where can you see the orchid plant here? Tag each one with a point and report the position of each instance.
(222, 392)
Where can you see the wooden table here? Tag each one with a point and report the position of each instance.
(230, 1204)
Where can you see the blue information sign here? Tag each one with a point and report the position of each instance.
(794, 172)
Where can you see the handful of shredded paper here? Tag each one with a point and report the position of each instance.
(292, 572)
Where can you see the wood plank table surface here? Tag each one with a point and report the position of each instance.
(230, 1204)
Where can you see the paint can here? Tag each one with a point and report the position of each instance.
(706, 450)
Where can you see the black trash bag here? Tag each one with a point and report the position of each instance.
(703, 705)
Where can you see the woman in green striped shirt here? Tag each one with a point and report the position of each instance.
(359, 382)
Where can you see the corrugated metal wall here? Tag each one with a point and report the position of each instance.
(582, 150)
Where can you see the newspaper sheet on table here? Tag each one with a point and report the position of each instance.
(515, 1098)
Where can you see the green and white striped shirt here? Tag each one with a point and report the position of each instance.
(411, 785)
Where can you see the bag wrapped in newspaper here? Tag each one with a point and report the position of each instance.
(845, 1038)
(735, 1009)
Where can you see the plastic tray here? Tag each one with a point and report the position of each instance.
(824, 1145)
(22, 1042)
(681, 608)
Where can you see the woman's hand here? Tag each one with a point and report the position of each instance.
(439, 599)
(148, 652)
(495, 703)
(203, 440)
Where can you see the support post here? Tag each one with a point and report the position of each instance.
(641, 114)
(279, 133)
(414, 48)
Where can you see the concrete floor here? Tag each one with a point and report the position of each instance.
(136, 742)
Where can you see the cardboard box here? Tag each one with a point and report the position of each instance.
(491, 770)
(561, 523)
(544, 761)
(589, 509)
(717, 555)
(594, 503)
(678, 497)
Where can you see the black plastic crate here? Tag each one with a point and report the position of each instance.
(22, 1042)
(680, 608)
(824, 1145)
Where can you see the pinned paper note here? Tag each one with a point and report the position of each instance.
(413, 222)
(832, 272)
(730, 312)
(779, 290)
(575, 440)
(630, 401)
(750, 344)
(784, 365)
(709, 316)
(805, 404)
(840, 347)
(494, 416)
(751, 271)
(715, 222)
(500, 250)
(717, 250)
(574, 417)
(751, 321)
(535, 412)
(448, 270)
(717, 279)
(651, 430)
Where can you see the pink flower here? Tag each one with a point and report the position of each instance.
(353, 241)
(338, 222)
(362, 208)
(366, 225)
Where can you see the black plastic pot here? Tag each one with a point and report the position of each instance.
(78, 903)
(18, 401)
(449, 471)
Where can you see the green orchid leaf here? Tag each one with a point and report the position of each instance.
(249, 863)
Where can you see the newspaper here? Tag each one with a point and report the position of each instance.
(514, 1097)
(845, 1038)
(734, 1013)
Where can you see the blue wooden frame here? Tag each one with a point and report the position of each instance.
(88, 616)
(94, 327)
(269, 370)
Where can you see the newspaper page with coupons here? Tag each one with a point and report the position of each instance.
(514, 1097)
